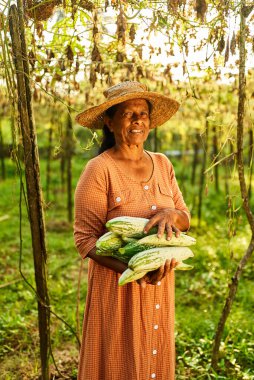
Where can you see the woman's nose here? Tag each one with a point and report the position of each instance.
(136, 117)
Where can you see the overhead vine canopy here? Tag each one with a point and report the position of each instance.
(85, 43)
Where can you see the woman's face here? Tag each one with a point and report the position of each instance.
(130, 123)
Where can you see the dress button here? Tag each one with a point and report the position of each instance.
(118, 199)
(157, 306)
(154, 352)
(158, 283)
(155, 327)
(146, 187)
(154, 207)
(153, 375)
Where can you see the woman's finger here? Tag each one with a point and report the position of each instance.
(167, 267)
(152, 222)
(161, 272)
(169, 231)
(173, 263)
(161, 229)
(143, 281)
(176, 231)
(156, 275)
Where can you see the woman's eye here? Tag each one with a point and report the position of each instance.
(127, 114)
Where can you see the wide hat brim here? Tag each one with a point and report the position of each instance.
(163, 108)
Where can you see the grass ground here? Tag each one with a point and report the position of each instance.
(200, 294)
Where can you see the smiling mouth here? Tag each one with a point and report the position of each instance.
(136, 131)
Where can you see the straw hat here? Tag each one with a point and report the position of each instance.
(163, 107)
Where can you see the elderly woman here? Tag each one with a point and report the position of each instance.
(128, 332)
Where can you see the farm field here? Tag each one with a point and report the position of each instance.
(200, 293)
(61, 57)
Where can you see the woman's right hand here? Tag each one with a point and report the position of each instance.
(153, 277)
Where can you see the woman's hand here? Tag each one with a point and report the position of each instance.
(166, 220)
(153, 277)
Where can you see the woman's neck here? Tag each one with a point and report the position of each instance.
(128, 152)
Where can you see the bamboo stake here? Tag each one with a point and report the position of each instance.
(32, 173)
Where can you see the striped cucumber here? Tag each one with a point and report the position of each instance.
(129, 226)
(129, 275)
(120, 257)
(103, 253)
(152, 259)
(109, 242)
(114, 254)
(182, 266)
(153, 241)
(128, 239)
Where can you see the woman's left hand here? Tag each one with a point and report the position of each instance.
(153, 277)
(166, 221)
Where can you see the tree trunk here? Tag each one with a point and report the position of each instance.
(244, 193)
(227, 167)
(2, 153)
(32, 173)
(195, 159)
(48, 168)
(62, 158)
(250, 159)
(69, 150)
(202, 175)
(215, 154)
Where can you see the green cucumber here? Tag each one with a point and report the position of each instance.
(129, 275)
(129, 226)
(152, 259)
(109, 242)
(152, 241)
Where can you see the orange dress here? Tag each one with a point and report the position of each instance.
(128, 331)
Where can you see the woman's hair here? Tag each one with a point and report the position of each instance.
(108, 140)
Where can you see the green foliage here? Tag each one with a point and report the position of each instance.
(208, 103)
(200, 293)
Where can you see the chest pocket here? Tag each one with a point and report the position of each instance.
(119, 199)
(166, 195)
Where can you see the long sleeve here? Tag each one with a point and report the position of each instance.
(90, 206)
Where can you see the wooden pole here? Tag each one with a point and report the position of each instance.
(69, 153)
(2, 153)
(49, 159)
(32, 173)
(251, 151)
(195, 158)
(202, 175)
